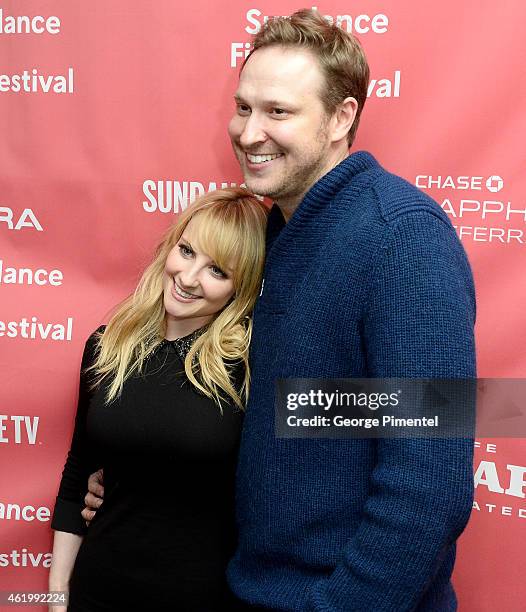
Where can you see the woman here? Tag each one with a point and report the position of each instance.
(162, 390)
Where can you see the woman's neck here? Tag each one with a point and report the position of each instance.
(178, 328)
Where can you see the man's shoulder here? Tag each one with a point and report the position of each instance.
(390, 196)
(396, 196)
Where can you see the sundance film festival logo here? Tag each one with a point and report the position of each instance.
(357, 23)
(17, 512)
(25, 558)
(493, 183)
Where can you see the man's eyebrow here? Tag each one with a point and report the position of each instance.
(271, 102)
(278, 103)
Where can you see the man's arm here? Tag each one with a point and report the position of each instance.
(94, 496)
(419, 324)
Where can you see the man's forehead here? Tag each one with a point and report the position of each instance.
(267, 97)
(279, 75)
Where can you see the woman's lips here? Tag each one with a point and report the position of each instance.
(181, 296)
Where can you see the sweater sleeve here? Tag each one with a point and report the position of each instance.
(419, 324)
(80, 462)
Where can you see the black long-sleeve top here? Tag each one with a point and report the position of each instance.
(165, 530)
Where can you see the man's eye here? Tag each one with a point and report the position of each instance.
(243, 109)
(279, 111)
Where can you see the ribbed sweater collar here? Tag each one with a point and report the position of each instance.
(317, 199)
(292, 246)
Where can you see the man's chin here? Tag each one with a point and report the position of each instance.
(257, 188)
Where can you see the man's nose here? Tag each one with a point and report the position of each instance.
(253, 131)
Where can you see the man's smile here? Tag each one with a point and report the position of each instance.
(262, 158)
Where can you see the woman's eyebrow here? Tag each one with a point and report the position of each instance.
(187, 242)
(212, 260)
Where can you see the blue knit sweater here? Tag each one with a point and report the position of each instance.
(367, 279)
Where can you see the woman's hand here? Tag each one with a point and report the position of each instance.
(56, 607)
(94, 497)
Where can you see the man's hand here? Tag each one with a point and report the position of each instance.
(93, 499)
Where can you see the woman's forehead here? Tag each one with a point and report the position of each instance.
(207, 237)
(199, 235)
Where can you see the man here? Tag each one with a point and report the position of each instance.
(365, 277)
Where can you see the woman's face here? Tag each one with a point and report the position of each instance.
(195, 289)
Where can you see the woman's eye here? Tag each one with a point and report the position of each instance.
(185, 251)
(217, 272)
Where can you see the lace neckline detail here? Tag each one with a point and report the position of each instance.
(183, 345)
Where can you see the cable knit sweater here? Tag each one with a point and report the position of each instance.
(367, 279)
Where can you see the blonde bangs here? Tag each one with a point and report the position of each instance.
(217, 235)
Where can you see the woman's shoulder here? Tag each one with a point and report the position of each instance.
(95, 336)
(98, 332)
(91, 346)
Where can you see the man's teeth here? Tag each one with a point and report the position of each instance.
(182, 293)
(259, 159)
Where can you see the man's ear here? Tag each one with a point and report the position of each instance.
(343, 118)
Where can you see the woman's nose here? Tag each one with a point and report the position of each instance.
(189, 277)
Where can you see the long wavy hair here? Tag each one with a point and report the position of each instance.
(231, 231)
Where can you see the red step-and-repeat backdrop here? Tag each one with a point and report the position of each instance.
(113, 118)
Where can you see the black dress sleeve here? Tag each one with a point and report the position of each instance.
(80, 462)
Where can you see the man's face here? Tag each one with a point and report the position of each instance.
(280, 130)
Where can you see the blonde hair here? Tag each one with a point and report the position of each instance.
(232, 230)
(340, 56)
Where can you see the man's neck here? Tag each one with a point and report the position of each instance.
(289, 205)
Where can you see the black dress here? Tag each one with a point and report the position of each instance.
(165, 531)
